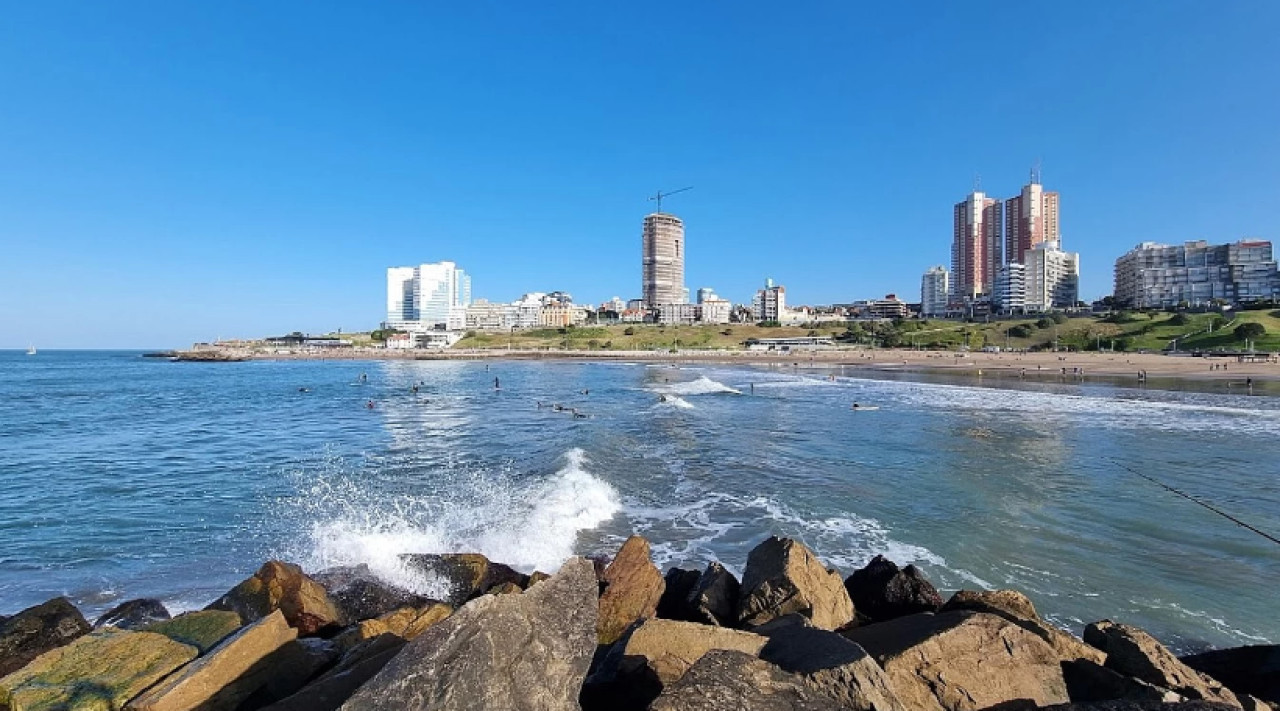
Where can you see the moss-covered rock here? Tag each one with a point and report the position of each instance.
(98, 672)
(201, 630)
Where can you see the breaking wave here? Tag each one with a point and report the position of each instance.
(702, 386)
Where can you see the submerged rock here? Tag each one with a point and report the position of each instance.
(783, 576)
(37, 630)
(527, 651)
(282, 586)
(134, 614)
(1133, 652)
(881, 591)
(715, 600)
(963, 661)
(228, 675)
(102, 670)
(202, 629)
(633, 587)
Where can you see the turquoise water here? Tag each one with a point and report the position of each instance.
(122, 476)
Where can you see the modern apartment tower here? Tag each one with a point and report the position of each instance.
(1031, 218)
(427, 297)
(1154, 276)
(975, 248)
(935, 290)
(662, 272)
(1052, 278)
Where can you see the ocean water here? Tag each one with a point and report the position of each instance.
(122, 476)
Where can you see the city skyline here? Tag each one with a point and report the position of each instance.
(259, 175)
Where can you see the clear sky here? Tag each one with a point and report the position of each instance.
(180, 171)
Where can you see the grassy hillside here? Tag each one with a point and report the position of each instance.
(1121, 331)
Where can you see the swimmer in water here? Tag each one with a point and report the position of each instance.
(369, 405)
(855, 406)
(304, 390)
(496, 384)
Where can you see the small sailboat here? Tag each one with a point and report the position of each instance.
(31, 350)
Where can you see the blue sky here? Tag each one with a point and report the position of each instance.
(172, 172)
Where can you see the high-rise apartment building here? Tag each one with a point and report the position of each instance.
(1053, 277)
(1010, 293)
(935, 290)
(770, 303)
(1154, 276)
(662, 252)
(1030, 218)
(428, 296)
(975, 248)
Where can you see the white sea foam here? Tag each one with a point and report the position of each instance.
(675, 401)
(526, 523)
(702, 386)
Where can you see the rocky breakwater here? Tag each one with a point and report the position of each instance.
(608, 634)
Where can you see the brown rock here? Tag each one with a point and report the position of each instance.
(37, 630)
(334, 687)
(727, 679)
(1132, 705)
(1137, 654)
(633, 587)
(715, 600)
(228, 675)
(881, 591)
(507, 588)
(283, 586)
(406, 623)
(101, 670)
(295, 664)
(525, 651)
(665, 649)
(783, 576)
(468, 575)
(537, 577)
(1017, 608)
(963, 661)
(1089, 681)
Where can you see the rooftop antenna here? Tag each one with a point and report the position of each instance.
(661, 195)
(1035, 173)
(977, 182)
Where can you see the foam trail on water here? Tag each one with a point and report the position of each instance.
(526, 523)
(702, 386)
(676, 401)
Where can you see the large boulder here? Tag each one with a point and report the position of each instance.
(678, 590)
(841, 669)
(37, 630)
(963, 661)
(134, 614)
(331, 689)
(222, 679)
(361, 595)
(1135, 653)
(881, 591)
(102, 670)
(1253, 670)
(528, 651)
(1018, 609)
(715, 600)
(727, 679)
(1090, 681)
(284, 587)
(633, 587)
(783, 576)
(654, 655)
(1140, 705)
(466, 575)
(201, 629)
(293, 665)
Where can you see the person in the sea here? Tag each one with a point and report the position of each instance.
(496, 384)
(369, 405)
(855, 406)
(364, 378)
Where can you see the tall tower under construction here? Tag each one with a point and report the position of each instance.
(662, 250)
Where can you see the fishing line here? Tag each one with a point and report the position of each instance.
(1198, 502)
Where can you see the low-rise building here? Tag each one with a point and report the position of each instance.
(677, 313)
(714, 310)
(1197, 273)
(484, 315)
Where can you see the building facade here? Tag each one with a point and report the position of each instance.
(1052, 278)
(427, 297)
(975, 246)
(1031, 218)
(770, 303)
(714, 310)
(1010, 294)
(662, 260)
(1156, 276)
(935, 289)
(483, 315)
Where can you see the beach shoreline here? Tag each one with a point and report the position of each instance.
(1077, 366)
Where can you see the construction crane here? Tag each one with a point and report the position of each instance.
(661, 195)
